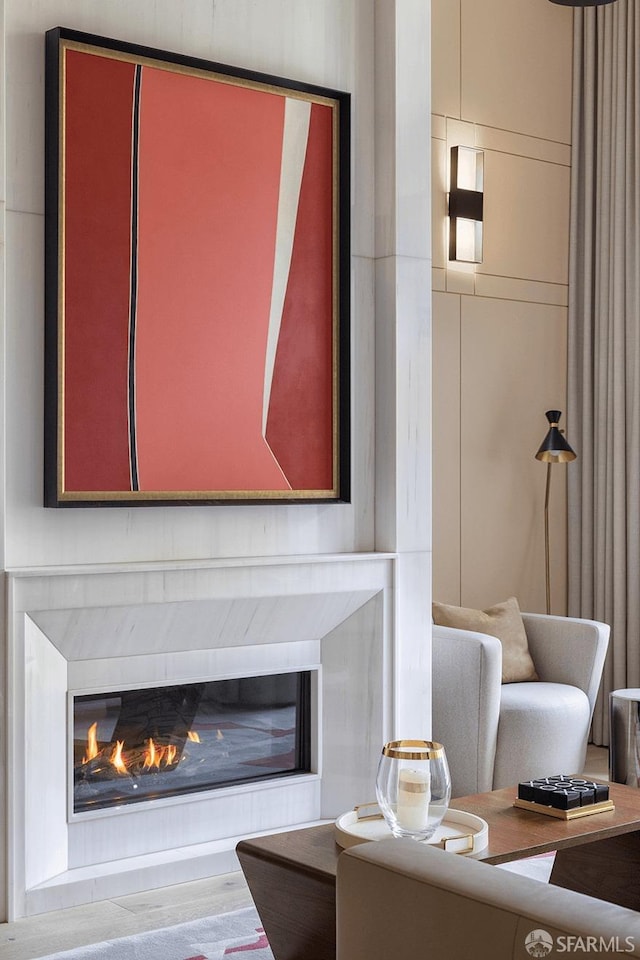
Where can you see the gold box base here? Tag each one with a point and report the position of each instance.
(574, 814)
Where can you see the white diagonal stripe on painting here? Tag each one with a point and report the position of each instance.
(297, 114)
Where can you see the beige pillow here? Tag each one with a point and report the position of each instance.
(503, 621)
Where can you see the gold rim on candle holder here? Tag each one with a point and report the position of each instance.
(427, 750)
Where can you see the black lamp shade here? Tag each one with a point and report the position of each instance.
(554, 448)
(582, 3)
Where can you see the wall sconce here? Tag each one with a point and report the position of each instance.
(465, 204)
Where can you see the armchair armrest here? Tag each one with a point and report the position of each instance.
(401, 899)
(467, 675)
(568, 650)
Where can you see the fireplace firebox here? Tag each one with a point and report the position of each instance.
(164, 741)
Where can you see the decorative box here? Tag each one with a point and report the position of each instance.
(563, 796)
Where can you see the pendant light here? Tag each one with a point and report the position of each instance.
(582, 3)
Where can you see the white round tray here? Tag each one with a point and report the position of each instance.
(459, 832)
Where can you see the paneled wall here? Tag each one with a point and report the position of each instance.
(379, 51)
(501, 81)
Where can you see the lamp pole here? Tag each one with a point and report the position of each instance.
(546, 538)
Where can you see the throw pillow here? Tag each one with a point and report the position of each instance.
(503, 621)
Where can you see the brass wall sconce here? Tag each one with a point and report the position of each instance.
(466, 185)
(553, 449)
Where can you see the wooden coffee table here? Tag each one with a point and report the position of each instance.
(292, 875)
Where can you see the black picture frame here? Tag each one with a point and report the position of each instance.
(79, 326)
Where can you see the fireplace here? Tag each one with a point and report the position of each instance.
(148, 743)
(85, 635)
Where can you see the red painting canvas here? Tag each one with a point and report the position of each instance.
(197, 343)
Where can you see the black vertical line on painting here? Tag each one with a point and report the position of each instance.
(133, 299)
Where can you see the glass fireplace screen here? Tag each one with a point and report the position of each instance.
(164, 741)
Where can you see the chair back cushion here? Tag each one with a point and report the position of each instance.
(503, 621)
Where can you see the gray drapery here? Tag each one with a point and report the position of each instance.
(604, 339)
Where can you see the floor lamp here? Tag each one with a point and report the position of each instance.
(553, 449)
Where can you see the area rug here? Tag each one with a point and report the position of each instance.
(538, 867)
(235, 935)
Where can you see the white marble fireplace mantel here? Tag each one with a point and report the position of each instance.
(87, 629)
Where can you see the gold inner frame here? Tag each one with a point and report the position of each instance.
(189, 495)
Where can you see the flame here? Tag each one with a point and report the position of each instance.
(193, 736)
(219, 735)
(152, 756)
(92, 743)
(117, 759)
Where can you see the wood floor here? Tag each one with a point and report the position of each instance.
(79, 926)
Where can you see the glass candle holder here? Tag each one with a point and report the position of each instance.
(413, 787)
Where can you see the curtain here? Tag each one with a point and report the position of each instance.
(604, 339)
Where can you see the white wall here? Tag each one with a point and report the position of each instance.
(328, 43)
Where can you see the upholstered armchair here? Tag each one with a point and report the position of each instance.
(497, 734)
(404, 900)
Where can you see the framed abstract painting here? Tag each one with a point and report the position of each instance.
(197, 281)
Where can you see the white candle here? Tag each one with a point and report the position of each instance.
(414, 794)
